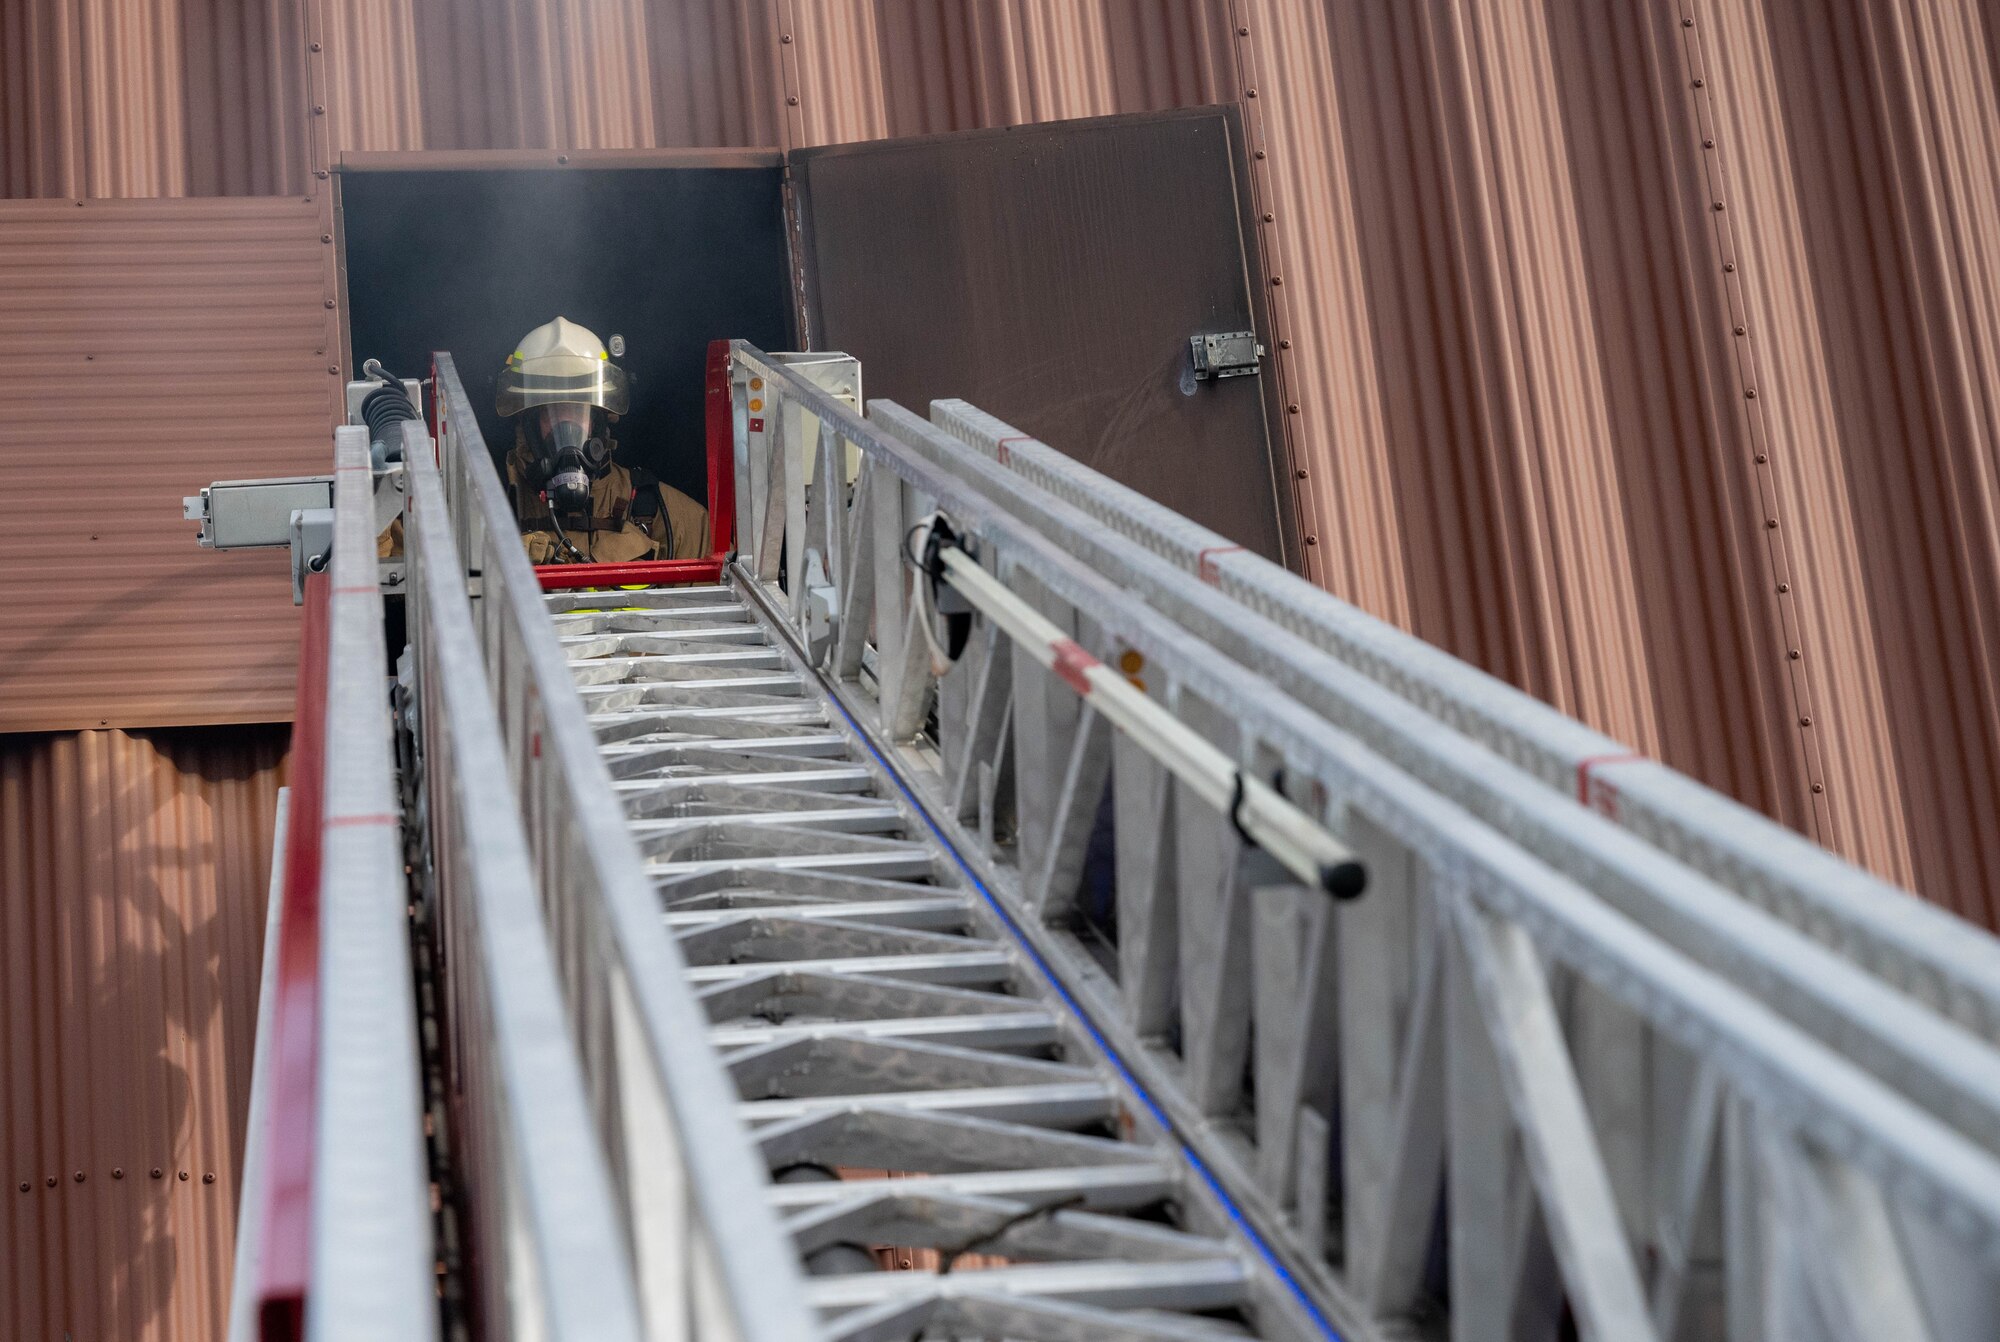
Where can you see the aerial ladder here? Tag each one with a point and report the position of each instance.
(977, 902)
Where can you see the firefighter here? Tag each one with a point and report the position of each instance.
(575, 501)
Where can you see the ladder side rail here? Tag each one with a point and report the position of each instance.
(549, 1250)
(1914, 945)
(372, 1273)
(1514, 931)
(1926, 1055)
(243, 1325)
(711, 1257)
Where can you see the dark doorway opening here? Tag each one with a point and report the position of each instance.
(470, 259)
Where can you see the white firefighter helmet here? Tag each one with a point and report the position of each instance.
(560, 362)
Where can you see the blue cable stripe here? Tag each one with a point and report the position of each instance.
(1152, 1106)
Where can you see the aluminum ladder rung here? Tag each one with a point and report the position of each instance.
(876, 1018)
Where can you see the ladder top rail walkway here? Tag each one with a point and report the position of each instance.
(371, 1268)
(1919, 948)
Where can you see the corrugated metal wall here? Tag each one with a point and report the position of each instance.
(1643, 353)
(133, 870)
(148, 347)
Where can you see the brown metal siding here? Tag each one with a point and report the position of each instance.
(133, 872)
(1520, 339)
(148, 347)
(150, 98)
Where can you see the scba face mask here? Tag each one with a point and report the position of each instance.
(574, 449)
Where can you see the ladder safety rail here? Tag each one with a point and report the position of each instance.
(1913, 945)
(1467, 1003)
(371, 1253)
(538, 1192)
(708, 1251)
(1919, 1052)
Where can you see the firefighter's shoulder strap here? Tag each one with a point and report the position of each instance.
(645, 494)
(649, 510)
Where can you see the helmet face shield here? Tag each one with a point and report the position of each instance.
(586, 382)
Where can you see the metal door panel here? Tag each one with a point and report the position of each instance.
(1053, 274)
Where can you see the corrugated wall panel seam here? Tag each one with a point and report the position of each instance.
(132, 877)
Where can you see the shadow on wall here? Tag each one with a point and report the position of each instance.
(133, 869)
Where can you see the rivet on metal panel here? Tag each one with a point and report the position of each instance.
(1783, 588)
(51, 1181)
(1249, 93)
(209, 1177)
(1708, 144)
(1243, 32)
(1771, 522)
(1301, 472)
(156, 1171)
(1312, 540)
(78, 1176)
(1292, 409)
(1729, 266)
(786, 39)
(79, 205)
(326, 237)
(1805, 722)
(314, 47)
(329, 302)
(1687, 23)
(1260, 153)
(1718, 207)
(1284, 344)
(1697, 83)
(332, 368)
(1268, 216)
(1819, 787)
(1793, 654)
(562, 158)
(321, 174)
(118, 1172)
(792, 101)
(184, 1175)
(319, 109)
(1749, 393)
(1277, 279)
(1739, 330)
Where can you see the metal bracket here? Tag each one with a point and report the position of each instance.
(822, 608)
(312, 546)
(249, 514)
(1225, 354)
